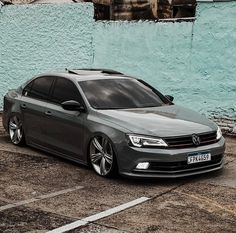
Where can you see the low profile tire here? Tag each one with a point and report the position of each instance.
(16, 131)
(102, 156)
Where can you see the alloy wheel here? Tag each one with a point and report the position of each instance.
(101, 155)
(15, 130)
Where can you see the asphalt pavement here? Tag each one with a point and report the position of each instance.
(41, 193)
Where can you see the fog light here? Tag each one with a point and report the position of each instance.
(143, 165)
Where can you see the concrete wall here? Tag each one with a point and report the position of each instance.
(194, 61)
(40, 38)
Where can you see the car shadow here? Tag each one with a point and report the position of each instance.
(119, 179)
(169, 181)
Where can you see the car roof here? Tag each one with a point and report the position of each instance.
(88, 74)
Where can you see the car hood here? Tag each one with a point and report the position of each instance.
(165, 121)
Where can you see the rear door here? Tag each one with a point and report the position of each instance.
(34, 99)
(65, 128)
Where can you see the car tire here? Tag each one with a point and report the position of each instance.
(102, 156)
(15, 128)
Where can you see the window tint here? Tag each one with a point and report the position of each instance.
(27, 89)
(65, 90)
(119, 93)
(39, 88)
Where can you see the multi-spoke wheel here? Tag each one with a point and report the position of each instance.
(16, 131)
(102, 156)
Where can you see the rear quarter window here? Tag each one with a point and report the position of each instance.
(39, 88)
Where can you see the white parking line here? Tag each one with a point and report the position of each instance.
(98, 216)
(5, 207)
(42, 197)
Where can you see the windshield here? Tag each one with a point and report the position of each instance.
(119, 94)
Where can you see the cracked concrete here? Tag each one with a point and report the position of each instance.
(22, 219)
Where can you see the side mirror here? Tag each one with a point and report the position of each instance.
(169, 97)
(72, 105)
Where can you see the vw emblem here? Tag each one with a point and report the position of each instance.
(196, 140)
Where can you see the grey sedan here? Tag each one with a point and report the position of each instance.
(114, 123)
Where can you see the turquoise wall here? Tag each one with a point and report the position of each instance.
(194, 61)
(40, 38)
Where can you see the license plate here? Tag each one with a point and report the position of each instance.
(199, 157)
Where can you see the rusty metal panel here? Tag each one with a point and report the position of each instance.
(165, 9)
(154, 7)
(183, 2)
(129, 9)
(132, 15)
(103, 2)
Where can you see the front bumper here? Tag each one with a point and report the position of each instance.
(169, 163)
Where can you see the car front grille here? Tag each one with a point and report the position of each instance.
(186, 141)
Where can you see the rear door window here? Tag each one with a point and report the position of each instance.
(65, 90)
(39, 88)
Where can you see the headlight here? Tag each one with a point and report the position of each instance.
(142, 141)
(219, 133)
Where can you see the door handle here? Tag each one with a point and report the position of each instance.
(48, 113)
(23, 106)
